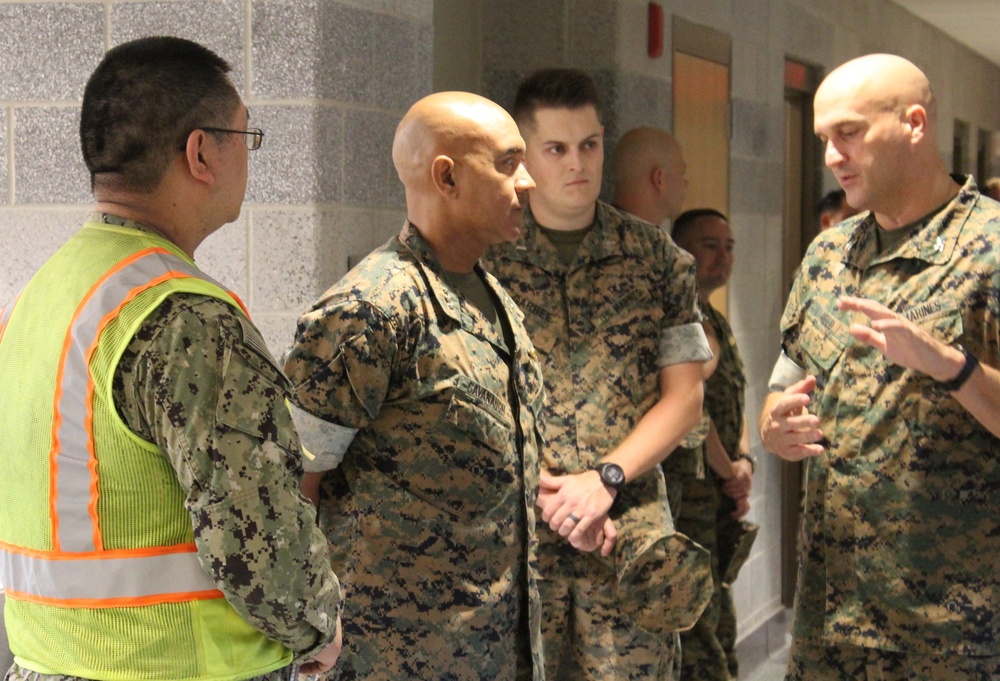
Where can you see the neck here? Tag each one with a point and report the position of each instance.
(919, 200)
(643, 208)
(564, 222)
(455, 251)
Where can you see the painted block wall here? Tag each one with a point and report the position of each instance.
(329, 79)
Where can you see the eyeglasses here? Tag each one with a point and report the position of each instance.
(253, 137)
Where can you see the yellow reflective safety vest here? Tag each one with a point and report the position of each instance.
(97, 552)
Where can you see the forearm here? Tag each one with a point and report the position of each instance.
(665, 424)
(716, 456)
(264, 551)
(980, 395)
(744, 438)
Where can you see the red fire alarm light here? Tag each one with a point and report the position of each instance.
(655, 30)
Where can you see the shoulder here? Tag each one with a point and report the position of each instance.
(386, 280)
(640, 238)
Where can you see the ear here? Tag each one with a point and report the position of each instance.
(656, 177)
(443, 175)
(915, 119)
(199, 156)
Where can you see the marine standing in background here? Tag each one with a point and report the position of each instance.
(649, 173)
(887, 383)
(611, 306)
(712, 504)
(151, 524)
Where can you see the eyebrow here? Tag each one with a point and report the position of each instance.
(588, 137)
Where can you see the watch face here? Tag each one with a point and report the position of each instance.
(612, 474)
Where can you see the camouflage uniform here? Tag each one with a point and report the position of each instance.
(708, 651)
(605, 325)
(198, 381)
(431, 513)
(902, 520)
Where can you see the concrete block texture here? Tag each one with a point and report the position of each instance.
(223, 256)
(301, 159)
(328, 50)
(5, 197)
(28, 237)
(217, 24)
(524, 34)
(299, 253)
(370, 177)
(47, 50)
(48, 167)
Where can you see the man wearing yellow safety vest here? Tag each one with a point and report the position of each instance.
(150, 525)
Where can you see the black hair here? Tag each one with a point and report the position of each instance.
(832, 202)
(689, 218)
(143, 100)
(555, 89)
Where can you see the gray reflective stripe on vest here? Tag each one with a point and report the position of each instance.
(104, 578)
(76, 531)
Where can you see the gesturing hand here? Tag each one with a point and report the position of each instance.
(789, 430)
(901, 341)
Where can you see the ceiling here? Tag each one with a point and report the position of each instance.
(975, 23)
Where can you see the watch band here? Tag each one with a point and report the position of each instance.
(971, 362)
(748, 457)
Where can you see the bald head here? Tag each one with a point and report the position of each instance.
(649, 172)
(444, 123)
(886, 82)
(461, 159)
(876, 116)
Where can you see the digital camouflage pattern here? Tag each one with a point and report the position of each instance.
(198, 381)
(431, 514)
(843, 663)
(708, 650)
(902, 519)
(604, 325)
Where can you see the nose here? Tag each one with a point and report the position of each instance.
(832, 157)
(522, 180)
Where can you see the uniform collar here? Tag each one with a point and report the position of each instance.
(933, 237)
(447, 298)
(607, 238)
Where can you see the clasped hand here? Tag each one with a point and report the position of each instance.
(576, 506)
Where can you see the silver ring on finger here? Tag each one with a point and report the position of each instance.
(573, 518)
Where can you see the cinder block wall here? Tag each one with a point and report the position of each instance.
(327, 81)
(608, 38)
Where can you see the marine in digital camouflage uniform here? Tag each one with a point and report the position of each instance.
(898, 572)
(708, 650)
(611, 306)
(713, 503)
(431, 394)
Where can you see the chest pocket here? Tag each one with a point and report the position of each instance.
(540, 324)
(479, 413)
(824, 337)
(942, 321)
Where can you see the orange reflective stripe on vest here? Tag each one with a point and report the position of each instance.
(78, 568)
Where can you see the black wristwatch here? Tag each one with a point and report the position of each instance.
(611, 474)
(748, 457)
(971, 362)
